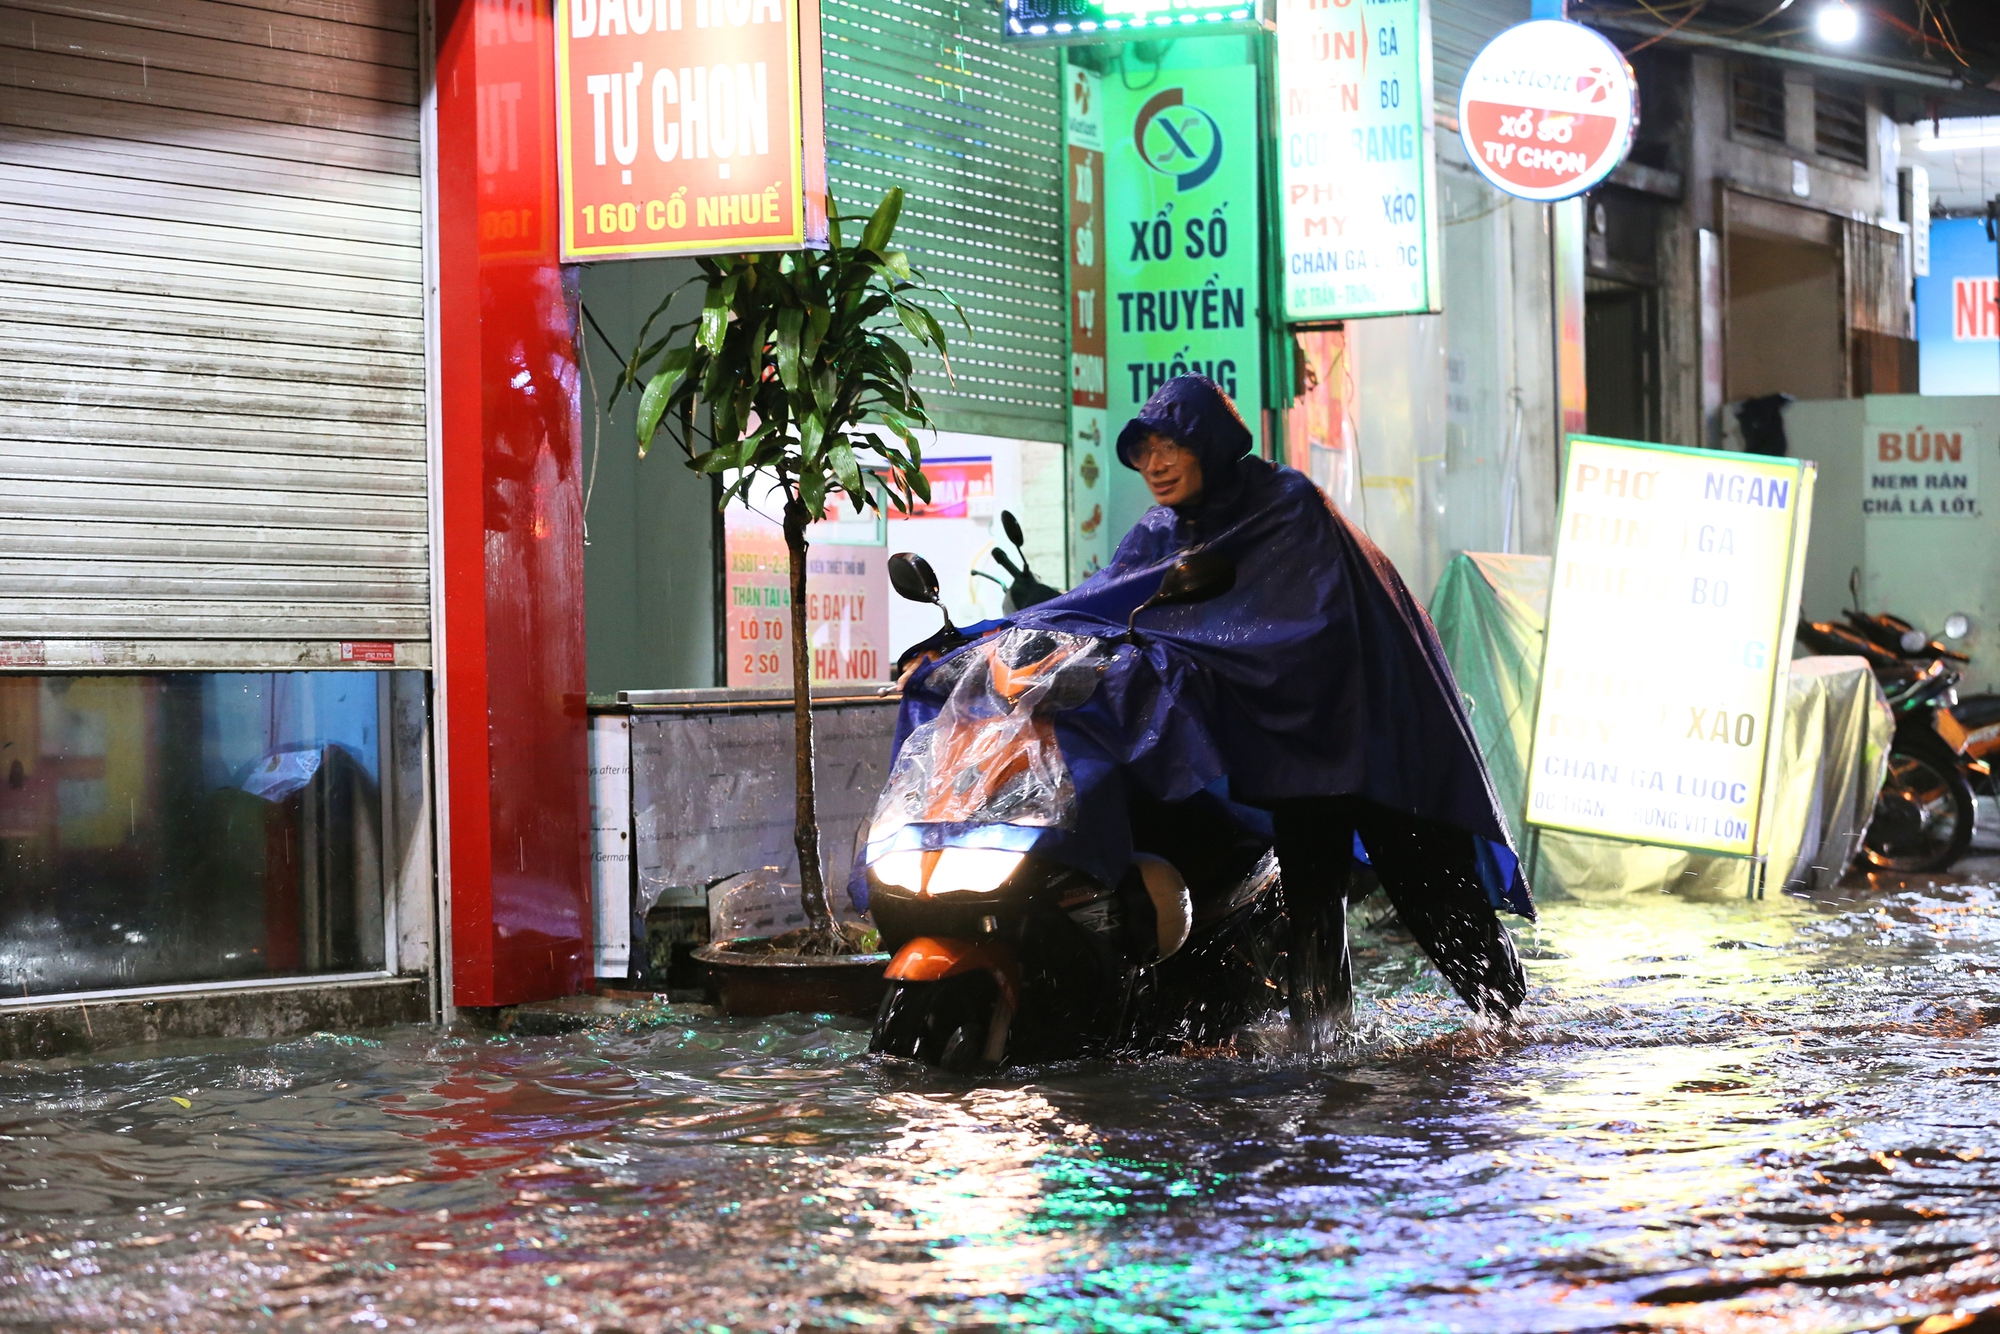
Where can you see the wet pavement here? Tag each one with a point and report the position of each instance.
(1715, 1116)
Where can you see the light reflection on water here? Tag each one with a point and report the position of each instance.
(1714, 1116)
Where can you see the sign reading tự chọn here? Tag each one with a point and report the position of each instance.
(1355, 160)
(1548, 109)
(1921, 472)
(688, 126)
(1675, 589)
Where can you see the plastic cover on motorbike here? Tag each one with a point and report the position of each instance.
(1833, 750)
(988, 758)
(1316, 675)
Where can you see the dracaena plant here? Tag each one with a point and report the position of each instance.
(806, 392)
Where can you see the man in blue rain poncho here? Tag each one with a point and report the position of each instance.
(1316, 689)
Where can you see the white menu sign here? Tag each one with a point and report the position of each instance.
(1676, 587)
(1921, 472)
(1355, 163)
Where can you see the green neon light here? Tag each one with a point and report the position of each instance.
(1098, 20)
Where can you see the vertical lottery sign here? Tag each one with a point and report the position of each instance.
(1181, 224)
(1089, 427)
(1676, 587)
(1356, 169)
(689, 126)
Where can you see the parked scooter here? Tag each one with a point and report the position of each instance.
(1923, 818)
(1002, 951)
(1025, 590)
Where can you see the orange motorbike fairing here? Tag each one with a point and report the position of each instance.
(931, 959)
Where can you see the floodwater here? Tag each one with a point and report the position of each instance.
(1714, 1116)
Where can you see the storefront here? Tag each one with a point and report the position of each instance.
(215, 592)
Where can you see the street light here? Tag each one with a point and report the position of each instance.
(1837, 22)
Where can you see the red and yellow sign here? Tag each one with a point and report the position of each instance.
(1548, 109)
(689, 126)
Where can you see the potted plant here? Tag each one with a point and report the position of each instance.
(807, 392)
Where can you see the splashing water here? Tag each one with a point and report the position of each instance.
(1774, 1116)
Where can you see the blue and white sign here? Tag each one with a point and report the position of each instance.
(1355, 158)
(1958, 323)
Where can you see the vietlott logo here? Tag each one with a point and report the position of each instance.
(1178, 140)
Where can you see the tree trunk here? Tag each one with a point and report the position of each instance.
(823, 939)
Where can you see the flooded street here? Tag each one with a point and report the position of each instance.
(1717, 1116)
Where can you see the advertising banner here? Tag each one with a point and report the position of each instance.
(517, 208)
(1958, 311)
(1548, 109)
(847, 598)
(688, 126)
(1083, 141)
(1921, 472)
(1356, 170)
(1676, 587)
(1181, 223)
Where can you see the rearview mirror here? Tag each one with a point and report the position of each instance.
(912, 577)
(1199, 576)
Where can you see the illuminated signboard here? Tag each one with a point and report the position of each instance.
(1182, 275)
(1355, 161)
(688, 126)
(1676, 586)
(1548, 109)
(1091, 20)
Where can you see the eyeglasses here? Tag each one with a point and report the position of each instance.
(1157, 448)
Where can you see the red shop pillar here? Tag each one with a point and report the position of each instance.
(516, 815)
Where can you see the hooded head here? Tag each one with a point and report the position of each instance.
(1191, 411)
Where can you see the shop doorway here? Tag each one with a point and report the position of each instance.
(1786, 317)
(1621, 360)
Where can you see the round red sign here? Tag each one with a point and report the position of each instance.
(1548, 109)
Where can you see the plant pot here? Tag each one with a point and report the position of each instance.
(759, 977)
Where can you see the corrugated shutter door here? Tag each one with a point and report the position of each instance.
(1460, 30)
(211, 328)
(923, 94)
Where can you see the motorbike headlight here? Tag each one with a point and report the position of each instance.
(972, 871)
(904, 870)
(953, 871)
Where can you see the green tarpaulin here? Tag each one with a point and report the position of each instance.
(1491, 612)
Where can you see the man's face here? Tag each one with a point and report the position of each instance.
(1172, 473)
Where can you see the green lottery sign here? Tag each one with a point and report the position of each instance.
(1181, 232)
(1355, 165)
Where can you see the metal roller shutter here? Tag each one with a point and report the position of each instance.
(1460, 30)
(212, 446)
(923, 94)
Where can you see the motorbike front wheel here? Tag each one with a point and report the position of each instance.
(1923, 817)
(946, 1023)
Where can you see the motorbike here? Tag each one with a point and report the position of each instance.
(1923, 818)
(1001, 949)
(1024, 590)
